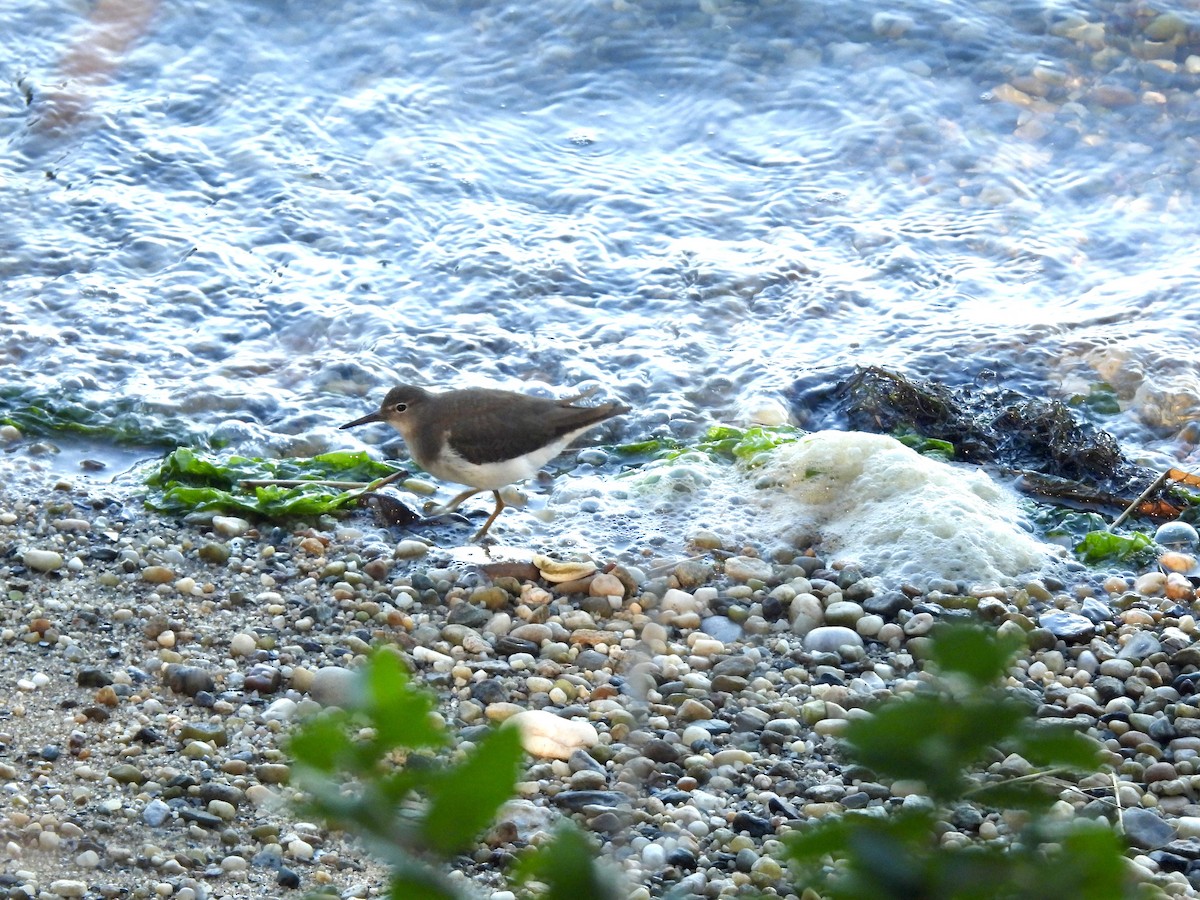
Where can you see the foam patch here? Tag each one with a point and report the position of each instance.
(903, 515)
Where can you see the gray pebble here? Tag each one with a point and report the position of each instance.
(1140, 645)
(1146, 830)
(155, 813)
(1067, 626)
(335, 686)
(829, 638)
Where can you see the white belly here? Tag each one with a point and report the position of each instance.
(493, 476)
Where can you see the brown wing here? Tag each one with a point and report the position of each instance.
(517, 424)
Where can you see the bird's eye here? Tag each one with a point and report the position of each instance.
(400, 407)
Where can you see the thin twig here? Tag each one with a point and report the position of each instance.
(1019, 779)
(300, 482)
(1154, 486)
(361, 486)
(1117, 797)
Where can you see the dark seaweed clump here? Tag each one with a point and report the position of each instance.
(985, 424)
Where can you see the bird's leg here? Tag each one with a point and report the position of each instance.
(455, 503)
(492, 518)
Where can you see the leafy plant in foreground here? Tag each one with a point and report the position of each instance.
(383, 772)
(940, 737)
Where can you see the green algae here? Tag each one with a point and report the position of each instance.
(189, 481)
(125, 421)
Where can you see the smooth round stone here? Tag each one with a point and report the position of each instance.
(919, 624)
(843, 612)
(869, 626)
(747, 568)
(694, 733)
(1067, 626)
(335, 686)
(43, 560)
(547, 736)
(606, 584)
(680, 603)
(410, 549)
(230, 526)
(805, 613)
(1151, 584)
(157, 575)
(222, 810)
(1188, 826)
(722, 629)
(242, 644)
(1146, 830)
(155, 813)
(1140, 645)
(534, 632)
(654, 857)
(281, 709)
(830, 638)
(67, 887)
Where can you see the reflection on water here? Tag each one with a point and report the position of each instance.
(272, 211)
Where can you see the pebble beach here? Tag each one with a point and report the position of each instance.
(689, 708)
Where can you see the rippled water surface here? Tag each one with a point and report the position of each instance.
(260, 215)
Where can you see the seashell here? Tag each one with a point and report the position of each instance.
(556, 570)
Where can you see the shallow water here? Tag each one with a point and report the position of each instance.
(261, 215)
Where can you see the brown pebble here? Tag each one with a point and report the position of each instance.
(157, 574)
(575, 586)
(106, 696)
(1160, 771)
(40, 626)
(593, 636)
(312, 546)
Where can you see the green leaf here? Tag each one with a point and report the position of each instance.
(463, 800)
(398, 711)
(322, 743)
(567, 866)
(187, 481)
(416, 882)
(1106, 546)
(926, 446)
(749, 444)
(1058, 745)
(973, 651)
(933, 739)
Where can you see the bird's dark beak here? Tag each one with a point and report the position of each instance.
(376, 416)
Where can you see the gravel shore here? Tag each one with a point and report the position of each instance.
(151, 668)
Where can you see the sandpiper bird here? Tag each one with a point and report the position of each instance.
(485, 438)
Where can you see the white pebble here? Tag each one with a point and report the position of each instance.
(243, 644)
(66, 887)
(547, 736)
(230, 526)
(299, 849)
(43, 560)
(410, 550)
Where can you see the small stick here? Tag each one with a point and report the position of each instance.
(1117, 796)
(1154, 486)
(300, 482)
(364, 486)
